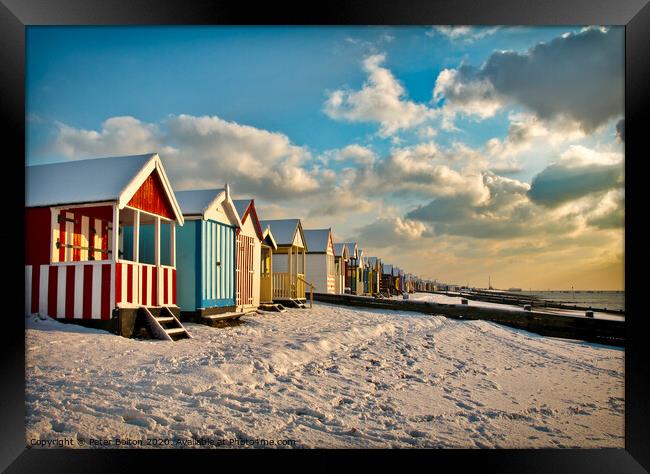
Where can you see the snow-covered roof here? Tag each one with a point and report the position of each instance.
(317, 239)
(373, 260)
(352, 248)
(340, 249)
(284, 230)
(207, 202)
(195, 201)
(81, 181)
(112, 179)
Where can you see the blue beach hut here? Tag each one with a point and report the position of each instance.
(205, 255)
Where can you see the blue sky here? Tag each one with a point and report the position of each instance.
(340, 113)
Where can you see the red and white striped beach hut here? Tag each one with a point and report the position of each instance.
(72, 269)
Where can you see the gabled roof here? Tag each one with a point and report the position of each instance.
(373, 260)
(267, 238)
(112, 179)
(284, 230)
(317, 239)
(352, 249)
(203, 202)
(196, 201)
(388, 269)
(246, 208)
(341, 250)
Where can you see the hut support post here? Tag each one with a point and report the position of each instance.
(136, 236)
(172, 244)
(156, 239)
(115, 231)
(290, 267)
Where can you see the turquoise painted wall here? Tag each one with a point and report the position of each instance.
(217, 265)
(186, 262)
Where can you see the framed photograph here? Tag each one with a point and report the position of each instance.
(400, 229)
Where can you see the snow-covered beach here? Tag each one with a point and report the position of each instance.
(333, 377)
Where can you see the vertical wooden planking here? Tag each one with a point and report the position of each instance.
(118, 282)
(76, 237)
(62, 237)
(52, 291)
(95, 235)
(129, 282)
(203, 258)
(43, 286)
(88, 292)
(85, 226)
(105, 301)
(70, 279)
(96, 291)
(165, 299)
(78, 291)
(154, 286)
(174, 286)
(69, 237)
(56, 236)
(143, 284)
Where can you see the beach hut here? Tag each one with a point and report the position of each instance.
(353, 272)
(374, 274)
(341, 257)
(320, 269)
(100, 245)
(249, 256)
(269, 245)
(206, 255)
(320, 260)
(359, 288)
(386, 286)
(350, 272)
(289, 262)
(365, 275)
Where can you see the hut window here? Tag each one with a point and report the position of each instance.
(147, 245)
(82, 234)
(127, 234)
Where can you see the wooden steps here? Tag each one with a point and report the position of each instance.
(166, 327)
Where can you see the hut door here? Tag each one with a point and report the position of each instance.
(245, 270)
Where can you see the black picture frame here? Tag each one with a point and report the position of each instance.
(15, 15)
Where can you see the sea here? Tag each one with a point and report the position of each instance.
(595, 299)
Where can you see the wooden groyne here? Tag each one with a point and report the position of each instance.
(600, 331)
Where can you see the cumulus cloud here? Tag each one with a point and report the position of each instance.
(579, 171)
(354, 154)
(381, 99)
(464, 33)
(576, 77)
(504, 211)
(463, 90)
(123, 135)
(203, 152)
(609, 211)
(390, 231)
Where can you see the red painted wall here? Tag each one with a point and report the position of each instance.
(151, 197)
(37, 235)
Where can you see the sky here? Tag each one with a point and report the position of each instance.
(456, 153)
